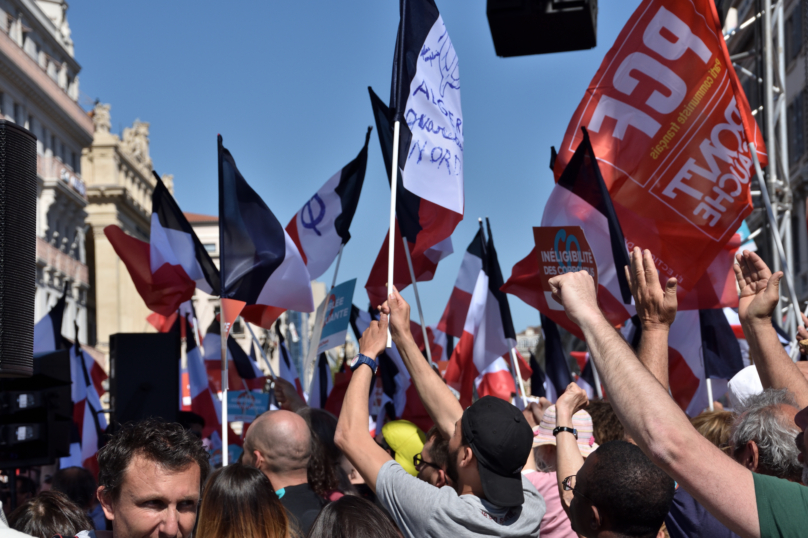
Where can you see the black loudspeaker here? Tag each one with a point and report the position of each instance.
(36, 413)
(17, 249)
(144, 376)
(522, 27)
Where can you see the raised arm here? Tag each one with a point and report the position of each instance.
(656, 309)
(655, 422)
(438, 400)
(757, 302)
(352, 435)
(568, 455)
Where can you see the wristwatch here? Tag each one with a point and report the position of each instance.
(560, 429)
(360, 359)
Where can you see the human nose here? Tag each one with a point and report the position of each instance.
(170, 528)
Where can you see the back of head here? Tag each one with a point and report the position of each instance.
(324, 425)
(168, 444)
(632, 494)
(284, 440)
(321, 470)
(439, 450)
(606, 426)
(764, 419)
(353, 517)
(239, 501)
(49, 514)
(715, 426)
(77, 483)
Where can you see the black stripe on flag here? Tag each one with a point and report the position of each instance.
(350, 187)
(582, 176)
(495, 282)
(476, 247)
(556, 366)
(537, 379)
(252, 241)
(408, 205)
(171, 217)
(720, 348)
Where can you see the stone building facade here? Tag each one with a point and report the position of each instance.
(39, 90)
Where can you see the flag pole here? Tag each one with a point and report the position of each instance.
(710, 393)
(417, 301)
(223, 337)
(598, 388)
(515, 364)
(391, 242)
(263, 353)
(336, 269)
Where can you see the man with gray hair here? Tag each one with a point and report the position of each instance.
(278, 443)
(763, 435)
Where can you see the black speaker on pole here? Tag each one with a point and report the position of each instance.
(144, 376)
(17, 249)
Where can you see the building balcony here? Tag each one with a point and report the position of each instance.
(52, 168)
(51, 258)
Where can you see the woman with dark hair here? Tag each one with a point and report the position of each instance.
(49, 514)
(353, 517)
(325, 475)
(239, 501)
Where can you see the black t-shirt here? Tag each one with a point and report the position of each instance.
(302, 505)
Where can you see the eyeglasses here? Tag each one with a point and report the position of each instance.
(419, 463)
(569, 485)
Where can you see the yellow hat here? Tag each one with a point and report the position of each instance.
(406, 439)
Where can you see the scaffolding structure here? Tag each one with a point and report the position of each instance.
(757, 50)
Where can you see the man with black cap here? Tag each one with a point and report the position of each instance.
(488, 445)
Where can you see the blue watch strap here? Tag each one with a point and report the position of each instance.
(361, 359)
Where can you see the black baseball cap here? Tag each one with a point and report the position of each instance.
(501, 440)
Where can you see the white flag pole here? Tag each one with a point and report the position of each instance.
(518, 371)
(710, 392)
(391, 242)
(223, 336)
(598, 388)
(336, 269)
(257, 343)
(417, 301)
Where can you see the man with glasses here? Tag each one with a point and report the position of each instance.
(489, 443)
(617, 491)
(431, 463)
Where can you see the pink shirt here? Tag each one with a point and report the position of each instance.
(555, 523)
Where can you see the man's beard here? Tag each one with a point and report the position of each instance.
(451, 467)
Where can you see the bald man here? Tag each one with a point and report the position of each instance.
(279, 444)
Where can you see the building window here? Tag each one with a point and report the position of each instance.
(73, 163)
(17, 114)
(210, 247)
(30, 125)
(796, 128)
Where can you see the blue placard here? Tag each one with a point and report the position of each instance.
(245, 405)
(337, 316)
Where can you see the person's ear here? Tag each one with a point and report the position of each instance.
(259, 460)
(467, 458)
(595, 521)
(440, 481)
(749, 456)
(106, 503)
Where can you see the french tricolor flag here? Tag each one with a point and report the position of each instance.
(580, 198)
(286, 367)
(454, 316)
(425, 100)
(48, 330)
(243, 374)
(322, 225)
(477, 361)
(203, 400)
(168, 268)
(262, 270)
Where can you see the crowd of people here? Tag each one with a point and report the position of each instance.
(632, 466)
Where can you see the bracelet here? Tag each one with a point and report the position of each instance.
(560, 429)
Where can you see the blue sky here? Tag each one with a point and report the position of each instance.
(285, 83)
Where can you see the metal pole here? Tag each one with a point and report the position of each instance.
(710, 393)
(336, 269)
(598, 388)
(764, 194)
(417, 301)
(223, 338)
(518, 371)
(263, 353)
(391, 242)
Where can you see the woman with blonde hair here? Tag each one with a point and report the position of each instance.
(239, 501)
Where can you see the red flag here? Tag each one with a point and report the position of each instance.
(670, 125)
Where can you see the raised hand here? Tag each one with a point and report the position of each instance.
(656, 307)
(759, 288)
(287, 395)
(374, 339)
(399, 311)
(573, 400)
(576, 293)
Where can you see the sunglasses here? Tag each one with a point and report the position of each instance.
(569, 485)
(419, 463)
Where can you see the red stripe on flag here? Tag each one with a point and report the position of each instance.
(454, 317)
(462, 371)
(498, 383)
(291, 229)
(682, 380)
